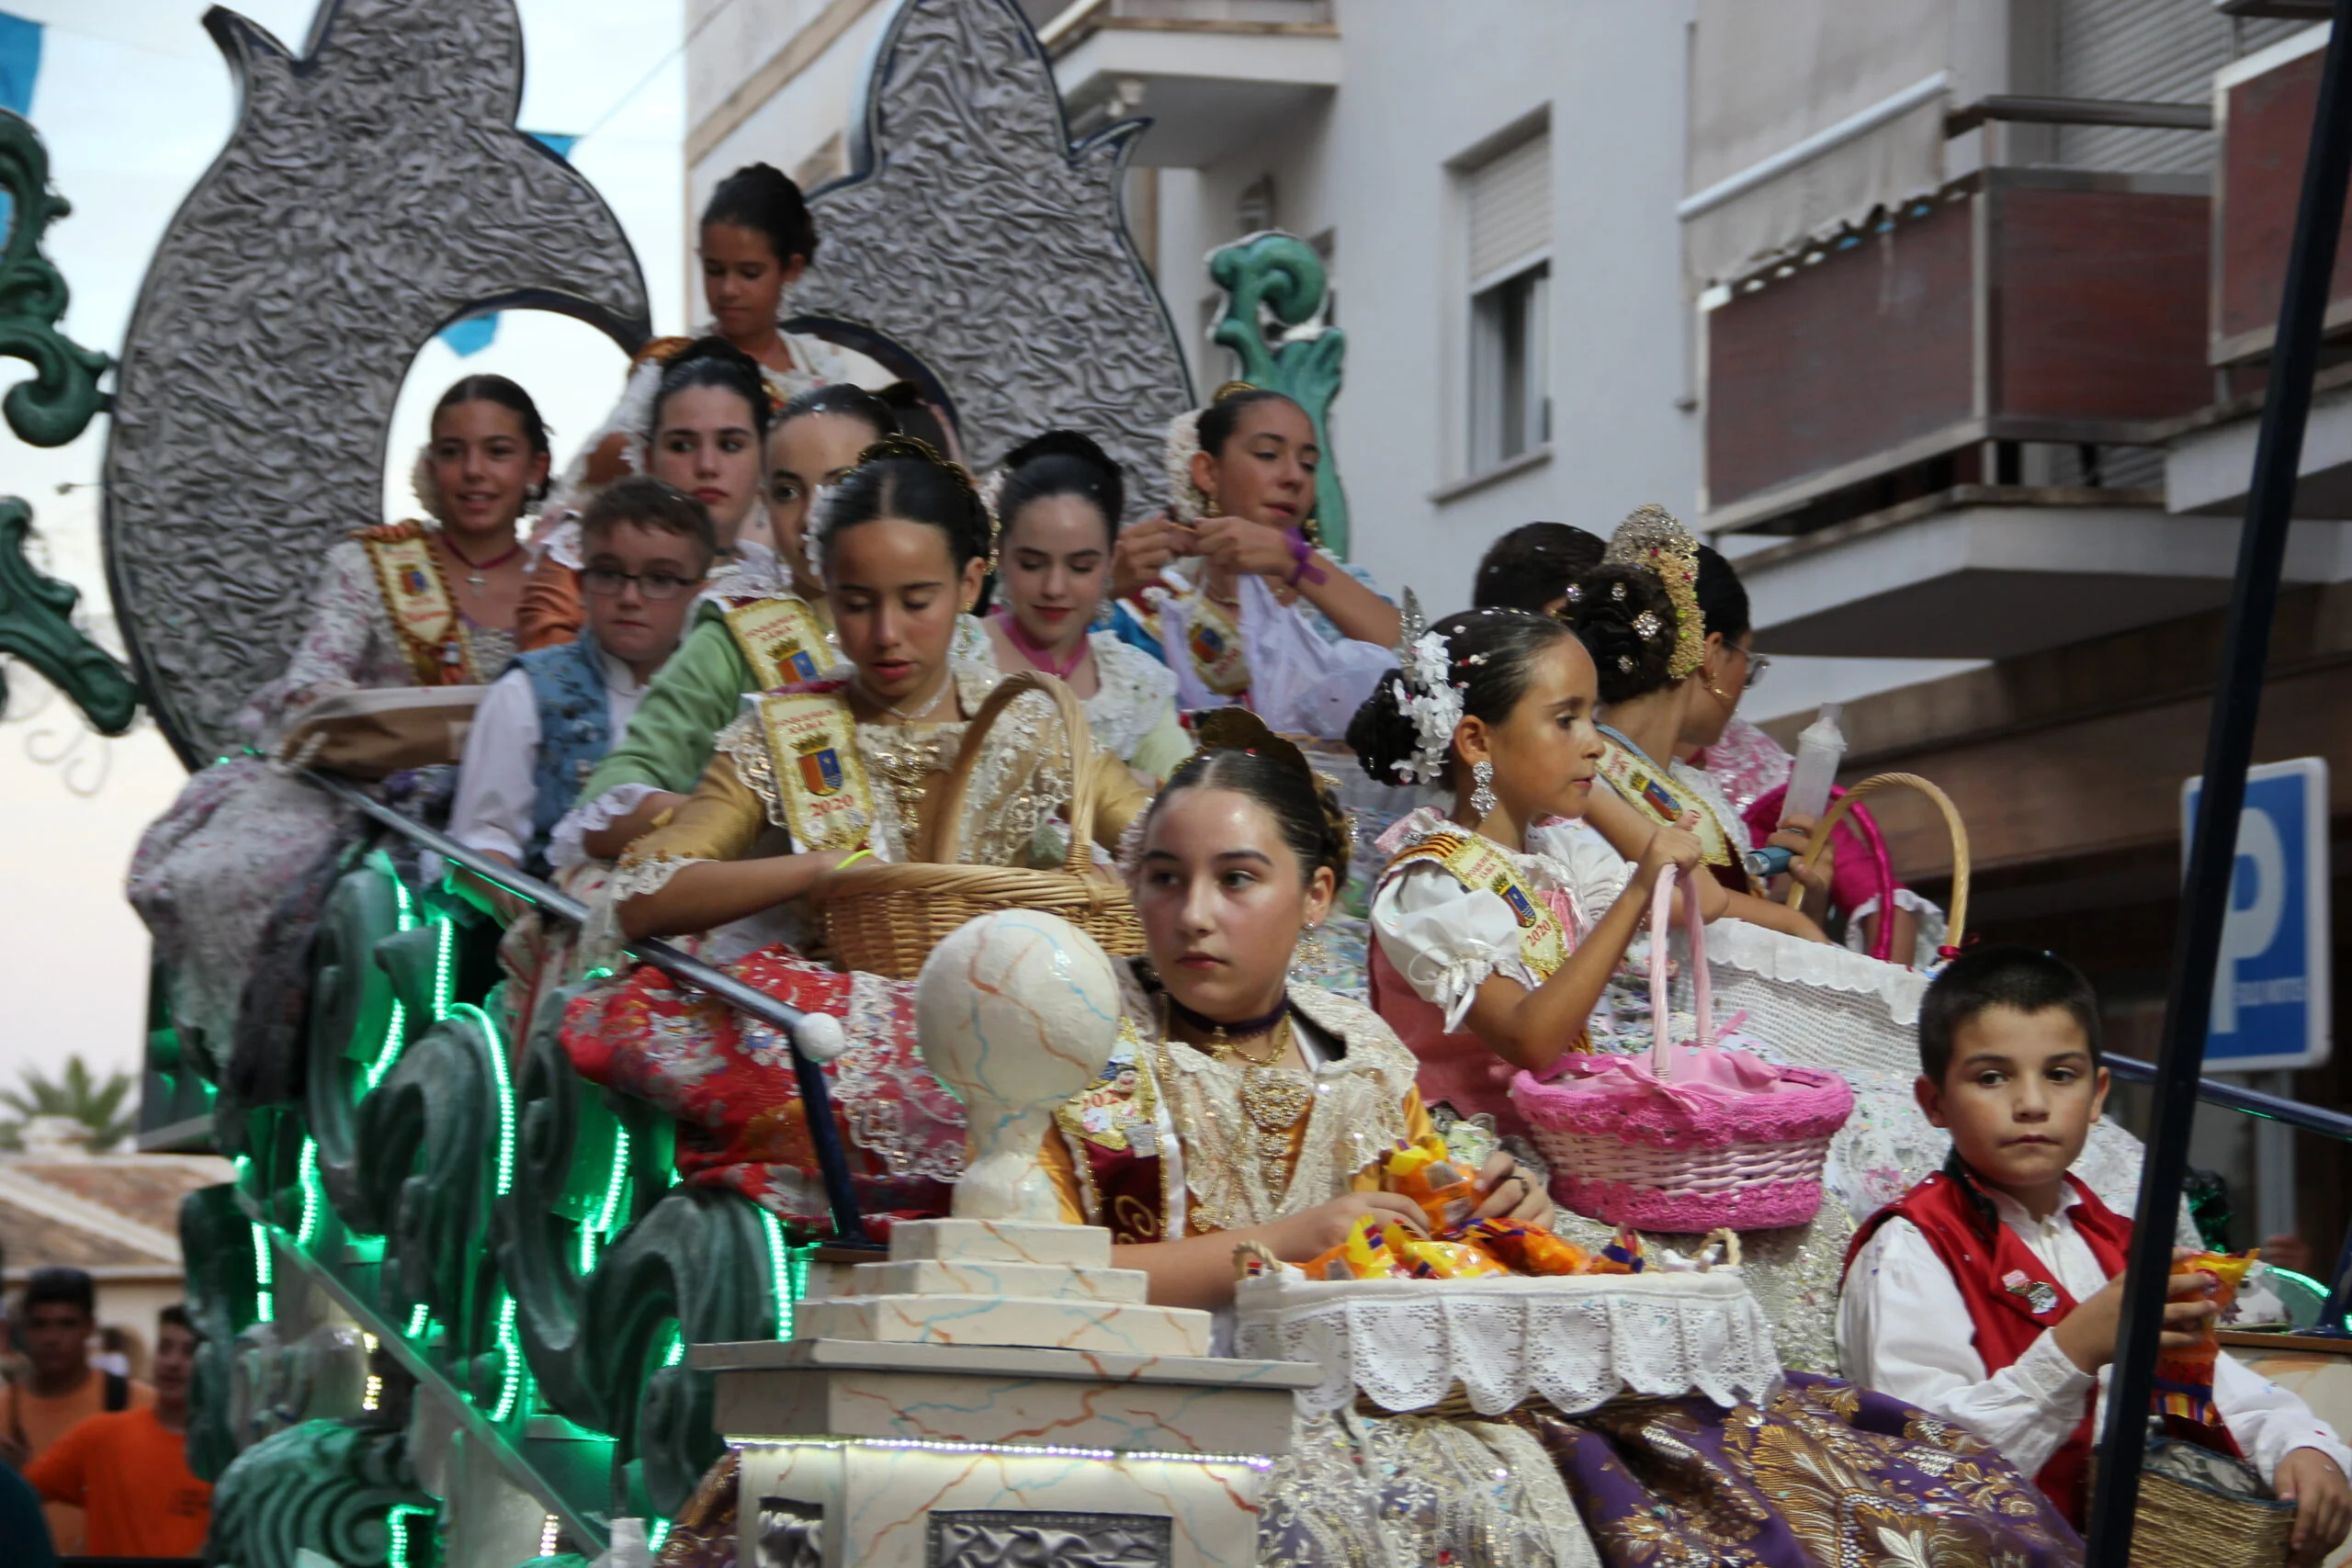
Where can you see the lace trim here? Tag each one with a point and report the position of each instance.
(565, 845)
(896, 1109)
(602, 945)
(1134, 685)
(1785, 960)
(1575, 1342)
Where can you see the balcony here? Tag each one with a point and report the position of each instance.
(2016, 306)
(1211, 75)
(2263, 107)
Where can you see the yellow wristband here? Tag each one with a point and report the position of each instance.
(862, 854)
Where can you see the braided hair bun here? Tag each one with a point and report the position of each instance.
(1626, 622)
(1491, 656)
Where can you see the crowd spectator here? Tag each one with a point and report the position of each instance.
(54, 1322)
(128, 1471)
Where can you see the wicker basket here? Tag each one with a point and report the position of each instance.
(1846, 805)
(1702, 1138)
(886, 918)
(2182, 1523)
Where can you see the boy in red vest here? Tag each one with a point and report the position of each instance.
(1991, 1292)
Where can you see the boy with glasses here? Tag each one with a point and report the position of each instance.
(546, 723)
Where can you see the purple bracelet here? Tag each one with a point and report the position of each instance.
(1303, 554)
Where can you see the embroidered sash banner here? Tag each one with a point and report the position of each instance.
(780, 638)
(1212, 642)
(1663, 802)
(1477, 862)
(812, 740)
(417, 599)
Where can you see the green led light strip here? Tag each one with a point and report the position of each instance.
(780, 1281)
(510, 1388)
(601, 1225)
(396, 1532)
(307, 1176)
(265, 1309)
(505, 1092)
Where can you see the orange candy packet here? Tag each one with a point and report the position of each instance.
(1425, 1172)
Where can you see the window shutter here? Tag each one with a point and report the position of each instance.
(2159, 50)
(1510, 206)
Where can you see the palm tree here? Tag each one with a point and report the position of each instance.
(74, 1092)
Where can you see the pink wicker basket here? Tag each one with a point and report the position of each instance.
(1696, 1134)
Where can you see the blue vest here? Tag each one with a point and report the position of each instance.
(575, 731)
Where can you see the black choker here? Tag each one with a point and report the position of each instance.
(1243, 1029)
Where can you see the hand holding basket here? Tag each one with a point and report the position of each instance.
(1696, 1134)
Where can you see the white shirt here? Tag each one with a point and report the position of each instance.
(1903, 1329)
(496, 793)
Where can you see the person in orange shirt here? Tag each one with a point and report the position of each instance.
(54, 1322)
(128, 1471)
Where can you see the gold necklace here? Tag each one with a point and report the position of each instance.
(903, 717)
(1272, 1098)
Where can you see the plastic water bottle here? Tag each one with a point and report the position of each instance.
(1820, 749)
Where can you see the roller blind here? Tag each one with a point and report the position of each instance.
(1510, 206)
(2155, 51)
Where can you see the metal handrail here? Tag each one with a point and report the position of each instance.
(816, 1094)
(2014, 108)
(2251, 1102)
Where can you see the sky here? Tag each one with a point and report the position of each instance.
(133, 102)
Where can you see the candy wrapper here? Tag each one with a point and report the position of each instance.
(1622, 1255)
(1529, 1250)
(1365, 1254)
(1446, 1190)
(1443, 1260)
(2184, 1395)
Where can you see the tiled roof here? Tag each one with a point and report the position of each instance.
(104, 1212)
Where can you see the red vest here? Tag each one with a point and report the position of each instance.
(1996, 1273)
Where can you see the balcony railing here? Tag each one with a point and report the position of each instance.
(2017, 305)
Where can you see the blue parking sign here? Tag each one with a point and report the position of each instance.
(2270, 992)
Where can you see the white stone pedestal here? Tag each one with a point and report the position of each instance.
(997, 1392)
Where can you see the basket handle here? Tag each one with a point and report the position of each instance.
(943, 839)
(1661, 1015)
(1847, 802)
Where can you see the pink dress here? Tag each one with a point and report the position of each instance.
(1438, 936)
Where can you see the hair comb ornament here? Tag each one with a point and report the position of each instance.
(1230, 389)
(916, 447)
(1651, 538)
(1425, 694)
(1238, 729)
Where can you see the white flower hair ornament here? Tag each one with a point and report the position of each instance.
(1427, 694)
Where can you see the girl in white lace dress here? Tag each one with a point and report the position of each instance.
(1058, 509)
(242, 836)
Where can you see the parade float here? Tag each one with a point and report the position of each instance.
(458, 1304)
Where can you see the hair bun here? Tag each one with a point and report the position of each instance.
(1062, 443)
(1625, 620)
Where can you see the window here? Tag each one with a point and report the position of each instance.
(1509, 212)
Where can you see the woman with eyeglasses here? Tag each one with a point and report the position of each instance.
(1666, 623)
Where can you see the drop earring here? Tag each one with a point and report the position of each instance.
(1482, 789)
(1312, 955)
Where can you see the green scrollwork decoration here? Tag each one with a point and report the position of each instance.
(37, 624)
(352, 1012)
(1279, 278)
(429, 1137)
(581, 1177)
(695, 1268)
(61, 398)
(216, 1239)
(341, 1492)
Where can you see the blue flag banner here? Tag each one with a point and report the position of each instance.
(20, 64)
(475, 334)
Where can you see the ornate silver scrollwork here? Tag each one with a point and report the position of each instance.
(375, 189)
(974, 236)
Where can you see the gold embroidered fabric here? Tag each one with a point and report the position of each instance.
(1020, 785)
(1359, 1113)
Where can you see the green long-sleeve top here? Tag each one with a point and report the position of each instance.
(693, 696)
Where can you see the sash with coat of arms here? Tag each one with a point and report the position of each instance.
(1663, 801)
(1480, 865)
(1118, 1141)
(1212, 642)
(416, 597)
(780, 638)
(812, 742)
